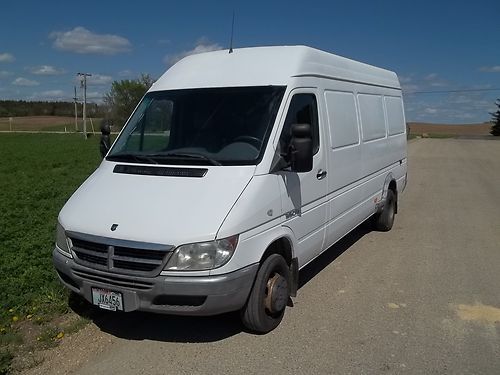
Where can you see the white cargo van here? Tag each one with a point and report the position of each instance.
(234, 172)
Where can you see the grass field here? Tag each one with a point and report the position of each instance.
(38, 173)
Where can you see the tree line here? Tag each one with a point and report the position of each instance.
(495, 119)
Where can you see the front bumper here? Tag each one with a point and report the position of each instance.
(179, 295)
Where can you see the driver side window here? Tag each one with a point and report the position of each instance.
(303, 109)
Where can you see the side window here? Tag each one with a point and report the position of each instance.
(303, 110)
(372, 116)
(395, 115)
(341, 109)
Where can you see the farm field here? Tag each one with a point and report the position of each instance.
(38, 173)
(419, 128)
(46, 123)
(67, 124)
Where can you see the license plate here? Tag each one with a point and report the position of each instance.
(107, 299)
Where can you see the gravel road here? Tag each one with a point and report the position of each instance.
(421, 299)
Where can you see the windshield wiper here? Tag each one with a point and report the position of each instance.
(184, 155)
(132, 157)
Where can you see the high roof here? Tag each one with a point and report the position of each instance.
(263, 66)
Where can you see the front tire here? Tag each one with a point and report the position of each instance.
(269, 296)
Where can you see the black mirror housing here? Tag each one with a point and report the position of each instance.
(105, 143)
(301, 148)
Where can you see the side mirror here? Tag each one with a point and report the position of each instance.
(105, 143)
(300, 150)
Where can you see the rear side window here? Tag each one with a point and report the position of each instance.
(372, 116)
(341, 109)
(303, 109)
(395, 116)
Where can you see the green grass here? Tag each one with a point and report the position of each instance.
(441, 135)
(38, 173)
(5, 360)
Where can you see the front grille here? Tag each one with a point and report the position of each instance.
(120, 259)
(113, 280)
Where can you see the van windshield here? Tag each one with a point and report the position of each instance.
(214, 126)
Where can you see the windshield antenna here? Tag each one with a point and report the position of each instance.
(232, 32)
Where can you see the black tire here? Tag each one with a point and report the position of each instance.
(384, 220)
(256, 315)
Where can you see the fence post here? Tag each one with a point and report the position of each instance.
(10, 123)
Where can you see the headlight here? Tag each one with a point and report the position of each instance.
(202, 255)
(62, 241)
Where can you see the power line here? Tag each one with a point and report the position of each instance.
(450, 91)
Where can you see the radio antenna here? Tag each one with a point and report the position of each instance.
(232, 33)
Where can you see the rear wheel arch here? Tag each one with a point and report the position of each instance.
(393, 186)
(389, 184)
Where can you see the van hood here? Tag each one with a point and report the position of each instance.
(157, 209)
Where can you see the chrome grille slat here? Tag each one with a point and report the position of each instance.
(99, 254)
(151, 254)
(137, 260)
(91, 259)
(89, 245)
(108, 255)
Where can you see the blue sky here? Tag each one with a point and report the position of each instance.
(432, 45)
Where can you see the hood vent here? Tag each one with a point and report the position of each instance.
(160, 171)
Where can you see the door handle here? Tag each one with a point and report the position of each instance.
(321, 174)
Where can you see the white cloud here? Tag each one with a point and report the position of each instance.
(5, 74)
(434, 80)
(431, 77)
(20, 81)
(52, 93)
(125, 73)
(202, 46)
(46, 70)
(49, 95)
(95, 96)
(490, 69)
(81, 40)
(405, 79)
(430, 111)
(96, 79)
(7, 57)
(99, 79)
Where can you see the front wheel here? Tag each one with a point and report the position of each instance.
(269, 296)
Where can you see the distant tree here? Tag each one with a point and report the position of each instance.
(124, 96)
(495, 128)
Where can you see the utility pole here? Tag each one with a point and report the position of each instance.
(76, 111)
(84, 85)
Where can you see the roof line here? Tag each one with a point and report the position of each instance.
(346, 80)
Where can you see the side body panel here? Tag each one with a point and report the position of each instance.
(362, 153)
